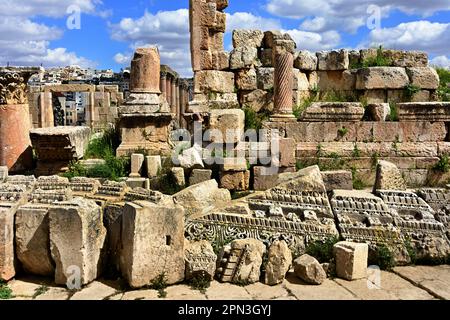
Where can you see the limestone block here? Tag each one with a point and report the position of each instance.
(214, 81)
(354, 57)
(287, 152)
(265, 78)
(388, 177)
(301, 82)
(137, 162)
(426, 111)
(153, 166)
(258, 100)
(202, 197)
(333, 60)
(33, 240)
(262, 179)
(424, 77)
(226, 126)
(334, 80)
(351, 260)
(341, 179)
(305, 61)
(244, 58)
(381, 78)
(279, 262)
(379, 96)
(334, 111)
(237, 181)
(399, 58)
(308, 179)
(247, 38)
(199, 176)
(7, 261)
(152, 243)
(200, 260)
(178, 174)
(234, 164)
(379, 111)
(138, 182)
(266, 57)
(77, 237)
(246, 79)
(309, 270)
(250, 254)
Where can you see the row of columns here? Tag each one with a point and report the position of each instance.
(176, 91)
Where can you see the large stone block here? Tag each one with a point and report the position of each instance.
(199, 176)
(265, 78)
(7, 261)
(351, 260)
(305, 61)
(244, 58)
(246, 79)
(301, 82)
(333, 60)
(152, 243)
(381, 78)
(237, 181)
(226, 126)
(247, 38)
(258, 100)
(334, 111)
(153, 165)
(388, 177)
(333, 80)
(341, 179)
(77, 237)
(214, 81)
(200, 260)
(399, 58)
(308, 269)
(425, 111)
(424, 77)
(137, 162)
(33, 240)
(279, 262)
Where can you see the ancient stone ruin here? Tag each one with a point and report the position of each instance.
(347, 154)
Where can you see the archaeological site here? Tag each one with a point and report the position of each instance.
(275, 173)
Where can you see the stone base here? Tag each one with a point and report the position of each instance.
(283, 118)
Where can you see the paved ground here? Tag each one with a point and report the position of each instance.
(404, 283)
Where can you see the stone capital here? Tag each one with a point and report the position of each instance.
(13, 84)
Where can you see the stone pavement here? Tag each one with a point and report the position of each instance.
(404, 283)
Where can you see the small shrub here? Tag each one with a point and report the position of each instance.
(299, 165)
(76, 169)
(383, 258)
(356, 153)
(412, 252)
(443, 165)
(104, 146)
(254, 120)
(160, 284)
(322, 250)
(200, 282)
(410, 90)
(5, 291)
(443, 91)
(342, 132)
(358, 184)
(379, 60)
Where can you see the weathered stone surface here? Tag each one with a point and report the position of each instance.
(283, 84)
(214, 81)
(308, 179)
(145, 64)
(247, 38)
(3, 174)
(308, 269)
(244, 58)
(340, 179)
(379, 111)
(333, 60)
(178, 174)
(226, 126)
(275, 38)
(249, 253)
(7, 263)
(424, 78)
(262, 179)
(279, 262)
(426, 111)
(94, 291)
(332, 81)
(152, 243)
(137, 162)
(305, 61)
(399, 58)
(388, 177)
(234, 164)
(200, 260)
(265, 78)
(238, 181)
(191, 158)
(77, 237)
(199, 176)
(381, 78)
(286, 154)
(351, 260)
(197, 200)
(246, 79)
(258, 100)
(334, 111)
(33, 240)
(301, 82)
(138, 182)
(153, 164)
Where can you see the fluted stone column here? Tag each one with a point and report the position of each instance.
(15, 124)
(283, 84)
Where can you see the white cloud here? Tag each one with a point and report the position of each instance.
(48, 8)
(347, 15)
(441, 61)
(418, 35)
(313, 41)
(122, 58)
(246, 20)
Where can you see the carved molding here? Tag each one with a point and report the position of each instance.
(13, 85)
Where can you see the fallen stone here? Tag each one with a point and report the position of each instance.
(305, 61)
(309, 270)
(178, 175)
(280, 261)
(308, 179)
(199, 176)
(351, 260)
(200, 260)
(341, 179)
(388, 177)
(77, 237)
(235, 180)
(152, 243)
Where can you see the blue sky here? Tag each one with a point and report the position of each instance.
(34, 31)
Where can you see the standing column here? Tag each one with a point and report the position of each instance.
(15, 145)
(174, 96)
(163, 84)
(283, 83)
(169, 89)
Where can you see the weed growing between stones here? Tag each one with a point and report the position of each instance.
(160, 284)
(394, 112)
(322, 250)
(410, 90)
(443, 165)
(5, 291)
(200, 282)
(254, 120)
(40, 291)
(382, 257)
(357, 182)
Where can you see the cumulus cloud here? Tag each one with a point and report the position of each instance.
(246, 20)
(432, 37)
(313, 41)
(48, 8)
(347, 15)
(441, 61)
